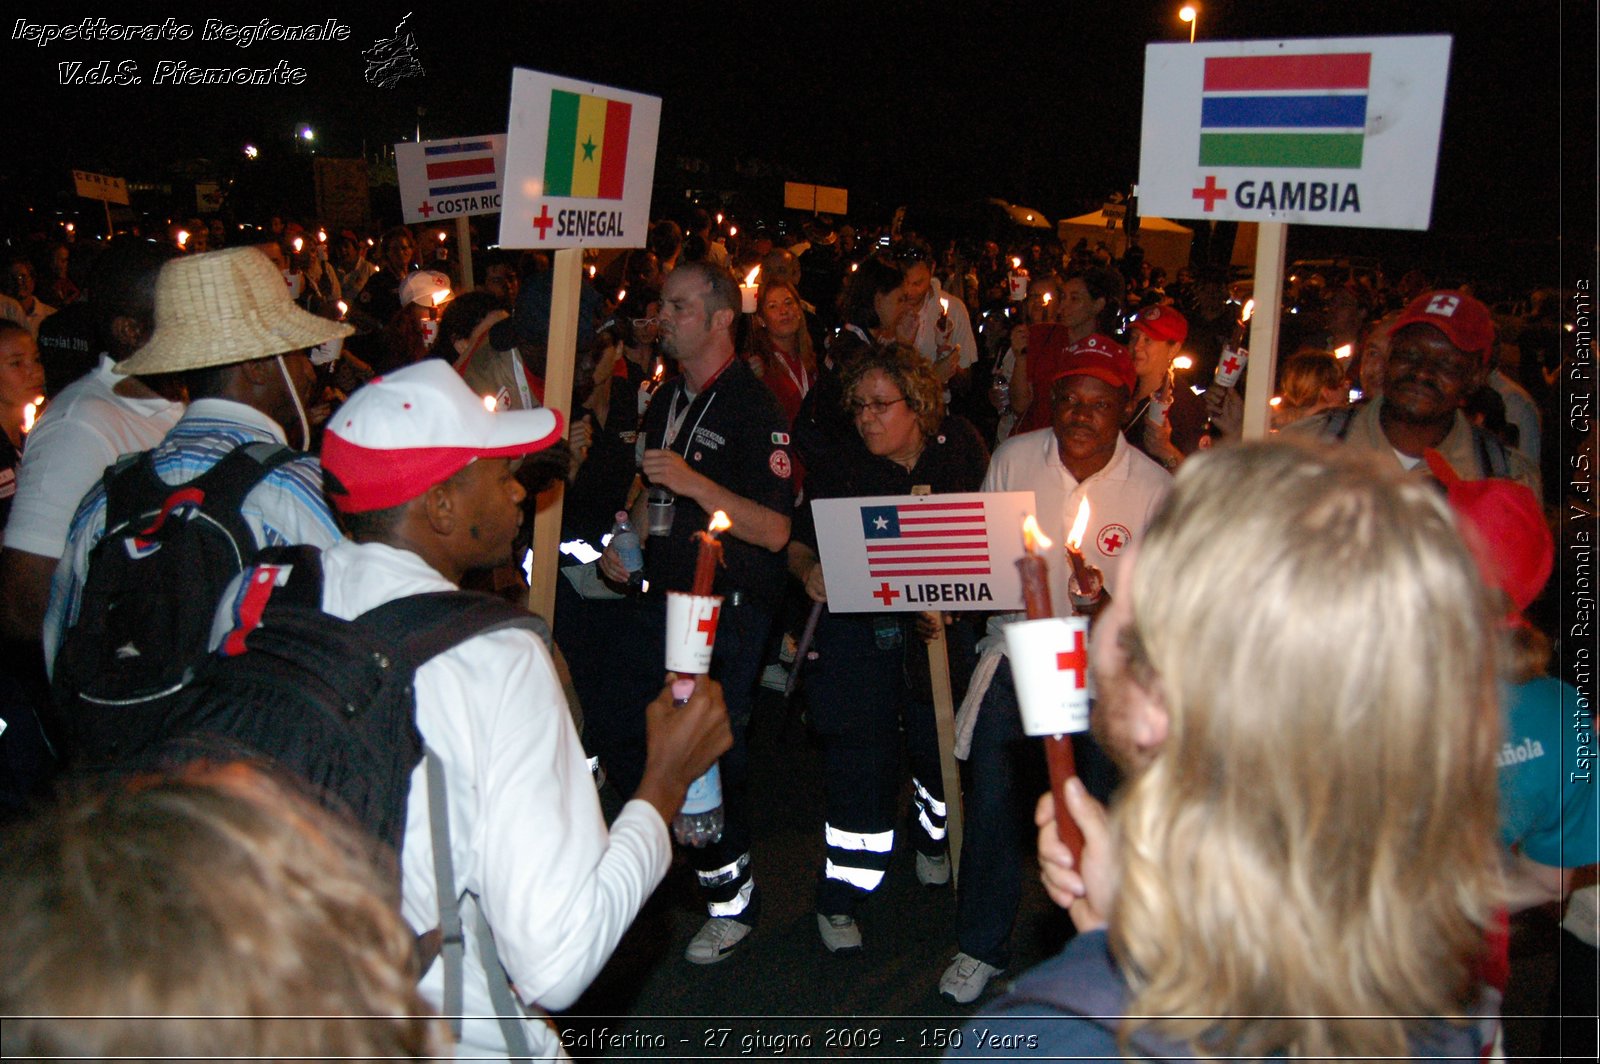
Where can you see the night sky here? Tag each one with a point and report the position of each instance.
(899, 102)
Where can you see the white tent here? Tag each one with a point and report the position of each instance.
(1166, 244)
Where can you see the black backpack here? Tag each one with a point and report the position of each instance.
(329, 700)
(331, 704)
(154, 580)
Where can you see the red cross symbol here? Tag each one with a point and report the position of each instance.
(426, 209)
(708, 625)
(1210, 193)
(1075, 660)
(886, 593)
(544, 221)
(1231, 364)
(1113, 543)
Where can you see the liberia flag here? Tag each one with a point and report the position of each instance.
(586, 150)
(459, 166)
(926, 539)
(1285, 110)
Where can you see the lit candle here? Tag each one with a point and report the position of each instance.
(944, 307)
(344, 308)
(1080, 567)
(710, 556)
(183, 238)
(322, 236)
(748, 290)
(1046, 299)
(1343, 351)
(299, 245)
(1057, 748)
(1249, 309)
(30, 411)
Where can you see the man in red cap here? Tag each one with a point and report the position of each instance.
(1081, 457)
(424, 477)
(1439, 352)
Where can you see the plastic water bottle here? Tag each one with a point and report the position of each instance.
(629, 548)
(699, 822)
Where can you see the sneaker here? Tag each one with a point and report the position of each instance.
(962, 983)
(716, 941)
(775, 677)
(933, 871)
(841, 934)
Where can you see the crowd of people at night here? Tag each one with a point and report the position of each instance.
(1332, 746)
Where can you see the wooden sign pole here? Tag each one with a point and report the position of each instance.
(558, 376)
(1261, 374)
(464, 249)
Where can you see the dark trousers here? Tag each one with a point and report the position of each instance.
(865, 693)
(1006, 773)
(614, 700)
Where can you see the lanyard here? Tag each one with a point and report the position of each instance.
(802, 383)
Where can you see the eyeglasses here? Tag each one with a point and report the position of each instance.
(878, 407)
(644, 323)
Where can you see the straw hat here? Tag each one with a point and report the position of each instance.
(225, 307)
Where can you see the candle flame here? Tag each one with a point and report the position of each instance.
(1079, 524)
(719, 523)
(1249, 309)
(183, 238)
(750, 278)
(299, 245)
(322, 236)
(659, 371)
(854, 266)
(1033, 539)
(1047, 299)
(944, 305)
(1276, 400)
(1343, 351)
(1016, 262)
(344, 308)
(441, 237)
(1183, 362)
(441, 297)
(719, 217)
(733, 230)
(622, 294)
(591, 273)
(29, 412)
(489, 403)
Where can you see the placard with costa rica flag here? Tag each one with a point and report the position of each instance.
(580, 162)
(1331, 131)
(449, 178)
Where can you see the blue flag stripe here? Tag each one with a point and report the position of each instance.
(1283, 112)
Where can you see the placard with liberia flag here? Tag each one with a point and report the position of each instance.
(449, 178)
(580, 163)
(1333, 131)
(891, 554)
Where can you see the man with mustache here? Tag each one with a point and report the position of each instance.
(1438, 356)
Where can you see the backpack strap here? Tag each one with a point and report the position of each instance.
(453, 947)
(421, 627)
(1492, 458)
(1337, 426)
(133, 489)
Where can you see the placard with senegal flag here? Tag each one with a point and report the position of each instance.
(580, 162)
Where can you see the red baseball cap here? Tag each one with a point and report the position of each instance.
(404, 432)
(1162, 323)
(1464, 321)
(1099, 356)
(1504, 526)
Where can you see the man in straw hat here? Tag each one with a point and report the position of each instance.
(223, 320)
(425, 478)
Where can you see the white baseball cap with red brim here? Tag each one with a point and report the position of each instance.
(404, 432)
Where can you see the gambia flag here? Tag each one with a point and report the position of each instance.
(586, 153)
(1285, 110)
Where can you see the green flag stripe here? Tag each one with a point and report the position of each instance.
(561, 143)
(1333, 150)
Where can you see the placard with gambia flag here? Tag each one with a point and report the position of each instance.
(580, 161)
(1334, 131)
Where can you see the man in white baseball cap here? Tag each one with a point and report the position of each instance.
(424, 476)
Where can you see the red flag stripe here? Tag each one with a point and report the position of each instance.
(614, 149)
(915, 507)
(930, 572)
(1342, 70)
(461, 168)
(955, 544)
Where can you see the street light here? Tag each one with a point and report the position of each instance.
(1190, 14)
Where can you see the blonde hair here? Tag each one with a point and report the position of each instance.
(176, 917)
(1316, 839)
(908, 371)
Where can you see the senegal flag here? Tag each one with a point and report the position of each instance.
(586, 154)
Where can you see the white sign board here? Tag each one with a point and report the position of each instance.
(580, 161)
(903, 553)
(1334, 131)
(100, 187)
(450, 178)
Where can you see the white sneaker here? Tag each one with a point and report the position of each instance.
(841, 934)
(963, 982)
(933, 871)
(716, 941)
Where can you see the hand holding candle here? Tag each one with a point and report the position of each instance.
(1052, 704)
(1087, 578)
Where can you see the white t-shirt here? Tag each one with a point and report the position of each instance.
(82, 432)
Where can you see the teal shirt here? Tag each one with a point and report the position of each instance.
(1549, 802)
